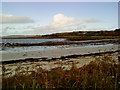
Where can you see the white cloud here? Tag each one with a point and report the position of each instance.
(10, 19)
(62, 23)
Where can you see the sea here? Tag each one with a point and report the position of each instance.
(26, 48)
(38, 48)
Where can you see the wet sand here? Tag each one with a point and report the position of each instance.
(58, 52)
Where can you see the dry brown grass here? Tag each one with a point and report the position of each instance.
(101, 73)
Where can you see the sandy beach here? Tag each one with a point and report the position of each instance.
(64, 63)
(57, 53)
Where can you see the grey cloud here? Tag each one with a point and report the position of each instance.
(11, 19)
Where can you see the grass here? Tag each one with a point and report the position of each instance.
(102, 73)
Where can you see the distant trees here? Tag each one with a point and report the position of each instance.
(117, 30)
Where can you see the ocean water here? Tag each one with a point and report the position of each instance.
(42, 48)
(28, 48)
(28, 40)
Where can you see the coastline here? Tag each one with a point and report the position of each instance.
(65, 42)
(54, 59)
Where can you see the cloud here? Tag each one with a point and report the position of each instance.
(102, 28)
(59, 23)
(61, 20)
(11, 19)
(62, 23)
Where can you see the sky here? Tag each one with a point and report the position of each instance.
(39, 18)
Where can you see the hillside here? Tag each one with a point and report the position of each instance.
(78, 35)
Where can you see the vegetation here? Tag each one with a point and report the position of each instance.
(102, 73)
(78, 35)
(86, 35)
